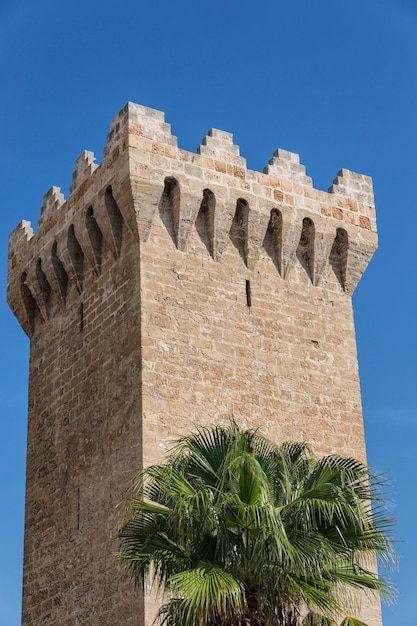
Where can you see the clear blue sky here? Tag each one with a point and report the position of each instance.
(333, 81)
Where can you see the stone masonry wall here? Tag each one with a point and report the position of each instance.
(84, 442)
(172, 289)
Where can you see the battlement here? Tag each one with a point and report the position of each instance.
(142, 168)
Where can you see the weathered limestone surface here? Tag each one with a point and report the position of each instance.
(172, 288)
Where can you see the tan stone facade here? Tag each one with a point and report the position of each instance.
(174, 288)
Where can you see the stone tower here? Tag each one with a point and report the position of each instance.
(172, 288)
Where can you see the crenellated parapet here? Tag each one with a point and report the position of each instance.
(144, 168)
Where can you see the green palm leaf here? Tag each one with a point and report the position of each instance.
(351, 621)
(240, 530)
(207, 591)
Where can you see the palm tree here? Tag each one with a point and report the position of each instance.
(240, 531)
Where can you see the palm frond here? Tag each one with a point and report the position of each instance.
(208, 591)
(351, 621)
(231, 516)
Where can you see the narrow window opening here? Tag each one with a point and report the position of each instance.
(44, 285)
(305, 250)
(248, 294)
(29, 302)
(169, 208)
(239, 229)
(116, 219)
(338, 256)
(205, 220)
(273, 240)
(60, 272)
(77, 258)
(96, 237)
(81, 317)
